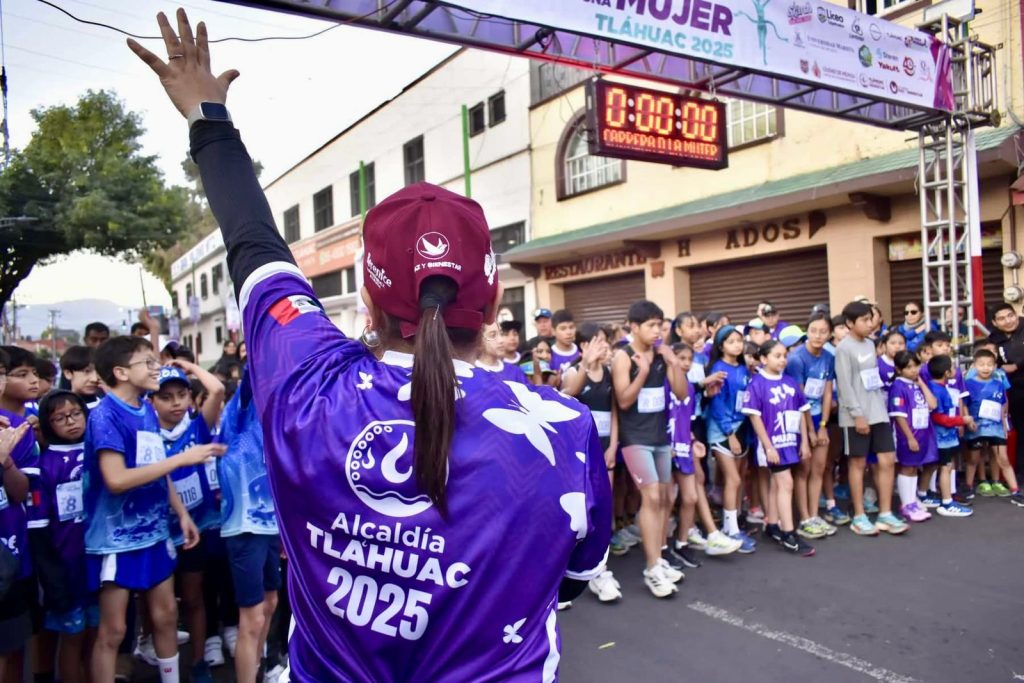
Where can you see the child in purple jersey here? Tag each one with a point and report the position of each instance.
(490, 357)
(775, 405)
(182, 427)
(911, 403)
(403, 488)
(892, 343)
(565, 352)
(510, 336)
(57, 534)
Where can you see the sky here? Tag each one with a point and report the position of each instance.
(292, 96)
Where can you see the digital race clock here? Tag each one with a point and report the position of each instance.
(635, 122)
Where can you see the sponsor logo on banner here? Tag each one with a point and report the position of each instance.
(893, 88)
(817, 70)
(869, 81)
(864, 54)
(888, 66)
(799, 13)
(831, 17)
(798, 40)
(908, 66)
(805, 66)
(876, 33)
(856, 32)
(882, 54)
(910, 41)
(839, 74)
(925, 70)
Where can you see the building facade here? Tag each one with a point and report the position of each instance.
(810, 209)
(415, 136)
(203, 300)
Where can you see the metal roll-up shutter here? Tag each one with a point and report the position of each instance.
(604, 300)
(905, 282)
(794, 282)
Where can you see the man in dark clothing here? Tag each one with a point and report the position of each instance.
(1008, 336)
(542, 319)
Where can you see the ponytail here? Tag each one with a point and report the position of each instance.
(434, 387)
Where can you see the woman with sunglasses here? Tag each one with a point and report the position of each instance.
(914, 326)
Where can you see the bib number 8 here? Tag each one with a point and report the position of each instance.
(364, 596)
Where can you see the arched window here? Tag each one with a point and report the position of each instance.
(578, 170)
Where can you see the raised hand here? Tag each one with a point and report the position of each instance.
(186, 74)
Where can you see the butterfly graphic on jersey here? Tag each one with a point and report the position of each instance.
(575, 505)
(366, 381)
(512, 632)
(530, 416)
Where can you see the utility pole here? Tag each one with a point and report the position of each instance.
(54, 313)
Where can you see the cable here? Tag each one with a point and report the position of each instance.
(218, 40)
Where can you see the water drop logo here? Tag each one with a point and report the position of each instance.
(379, 469)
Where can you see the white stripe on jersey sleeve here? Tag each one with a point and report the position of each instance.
(588, 574)
(262, 273)
(38, 524)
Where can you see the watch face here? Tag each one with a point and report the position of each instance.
(214, 111)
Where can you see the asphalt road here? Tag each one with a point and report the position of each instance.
(944, 602)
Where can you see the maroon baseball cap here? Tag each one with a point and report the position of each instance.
(424, 230)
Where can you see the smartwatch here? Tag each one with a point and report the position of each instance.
(209, 111)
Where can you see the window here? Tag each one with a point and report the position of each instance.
(199, 344)
(477, 120)
(328, 284)
(751, 122)
(514, 300)
(203, 293)
(412, 154)
(323, 209)
(508, 236)
(882, 7)
(219, 334)
(349, 276)
(188, 293)
(581, 171)
(496, 108)
(291, 224)
(174, 300)
(353, 189)
(217, 277)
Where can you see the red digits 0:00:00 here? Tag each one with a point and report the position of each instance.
(657, 114)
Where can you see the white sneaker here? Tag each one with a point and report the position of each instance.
(628, 537)
(274, 675)
(231, 639)
(658, 583)
(696, 539)
(605, 587)
(183, 637)
(144, 651)
(213, 653)
(720, 544)
(562, 606)
(673, 574)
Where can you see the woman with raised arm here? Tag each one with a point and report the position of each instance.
(400, 474)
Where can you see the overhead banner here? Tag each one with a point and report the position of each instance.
(807, 40)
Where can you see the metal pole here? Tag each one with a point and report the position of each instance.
(465, 150)
(53, 331)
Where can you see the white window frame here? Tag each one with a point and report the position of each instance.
(582, 171)
(743, 111)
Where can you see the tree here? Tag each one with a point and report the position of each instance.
(83, 183)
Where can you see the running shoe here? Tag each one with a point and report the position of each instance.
(1017, 498)
(634, 531)
(674, 575)
(696, 539)
(870, 507)
(774, 532)
(999, 489)
(627, 537)
(930, 500)
(145, 651)
(797, 545)
(201, 673)
(830, 530)
(617, 546)
(915, 513)
(862, 526)
(985, 489)
(809, 528)
(954, 509)
(685, 555)
(748, 545)
(671, 560)
(230, 639)
(213, 652)
(562, 606)
(967, 493)
(720, 544)
(605, 587)
(842, 492)
(658, 583)
(183, 637)
(275, 674)
(835, 515)
(755, 515)
(964, 497)
(891, 524)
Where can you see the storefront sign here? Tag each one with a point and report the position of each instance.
(786, 229)
(207, 246)
(314, 260)
(594, 264)
(908, 247)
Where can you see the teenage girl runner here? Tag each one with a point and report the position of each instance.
(892, 343)
(728, 428)
(910, 406)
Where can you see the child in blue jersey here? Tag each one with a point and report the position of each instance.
(947, 420)
(728, 427)
(988, 406)
(127, 496)
(774, 403)
(989, 486)
(197, 486)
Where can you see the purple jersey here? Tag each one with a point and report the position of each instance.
(780, 403)
(505, 370)
(680, 416)
(383, 587)
(906, 400)
(560, 362)
(58, 505)
(887, 371)
(13, 516)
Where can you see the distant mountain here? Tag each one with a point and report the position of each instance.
(74, 315)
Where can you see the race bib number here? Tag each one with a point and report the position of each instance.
(149, 449)
(814, 388)
(920, 418)
(603, 422)
(954, 394)
(651, 400)
(741, 398)
(4, 504)
(69, 500)
(871, 379)
(189, 490)
(210, 464)
(793, 418)
(991, 410)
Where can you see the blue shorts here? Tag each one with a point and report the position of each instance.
(73, 622)
(255, 566)
(816, 421)
(137, 570)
